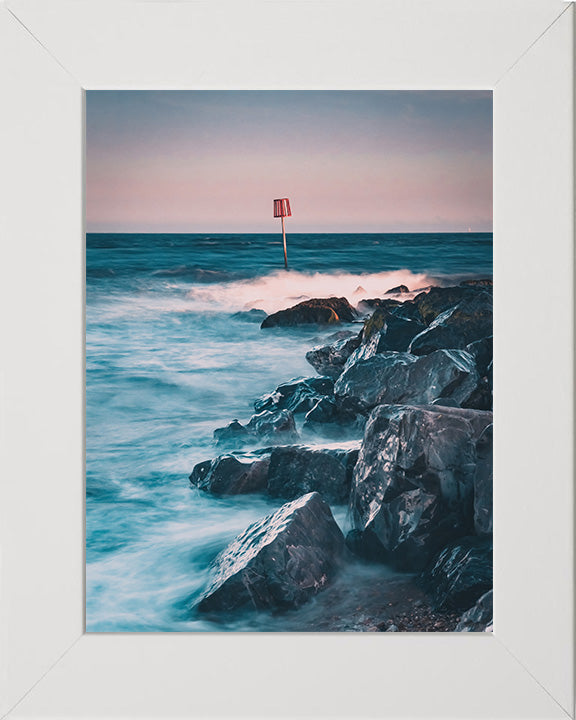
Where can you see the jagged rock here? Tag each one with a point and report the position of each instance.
(254, 315)
(295, 470)
(375, 323)
(436, 300)
(483, 490)
(226, 475)
(320, 311)
(274, 424)
(482, 352)
(335, 417)
(330, 359)
(233, 435)
(458, 326)
(479, 617)
(413, 484)
(285, 472)
(393, 377)
(298, 395)
(365, 380)
(370, 304)
(484, 282)
(280, 561)
(395, 333)
(460, 574)
(397, 289)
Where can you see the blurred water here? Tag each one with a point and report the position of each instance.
(168, 362)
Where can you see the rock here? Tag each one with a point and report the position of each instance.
(320, 311)
(398, 332)
(482, 352)
(370, 304)
(336, 417)
(398, 289)
(436, 300)
(395, 333)
(233, 435)
(296, 470)
(375, 323)
(298, 395)
(391, 628)
(280, 561)
(393, 378)
(330, 359)
(413, 484)
(226, 475)
(483, 490)
(253, 315)
(275, 425)
(456, 327)
(460, 574)
(366, 379)
(479, 617)
(483, 282)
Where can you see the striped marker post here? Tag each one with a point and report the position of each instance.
(282, 210)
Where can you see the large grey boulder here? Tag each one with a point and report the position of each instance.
(392, 378)
(227, 475)
(436, 300)
(298, 395)
(318, 311)
(460, 574)
(285, 472)
(366, 379)
(457, 326)
(295, 470)
(330, 359)
(483, 486)
(479, 617)
(413, 483)
(280, 561)
(273, 425)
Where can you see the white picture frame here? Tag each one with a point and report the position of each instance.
(53, 50)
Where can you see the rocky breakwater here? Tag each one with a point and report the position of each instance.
(414, 386)
(280, 561)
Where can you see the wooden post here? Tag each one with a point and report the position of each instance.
(284, 240)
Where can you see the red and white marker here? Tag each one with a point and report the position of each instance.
(282, 210)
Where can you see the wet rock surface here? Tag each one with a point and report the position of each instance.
(478, 618)
(336, 417)
(226, 475)
(392, 378)
(296, 470)
(279, 562)
(299, 395)
(457, 326)
(330, 359)
(413, 484)
(285, 472)
(273, 425)
(318, 311)
(483, 486)
(460, 574)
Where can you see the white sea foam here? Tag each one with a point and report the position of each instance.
(284, 288)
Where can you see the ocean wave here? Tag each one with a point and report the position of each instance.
(196, 273)
(284, 288)
(270, 293)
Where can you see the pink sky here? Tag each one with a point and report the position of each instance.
(349, 161)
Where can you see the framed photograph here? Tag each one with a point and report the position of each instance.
(100, 301)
